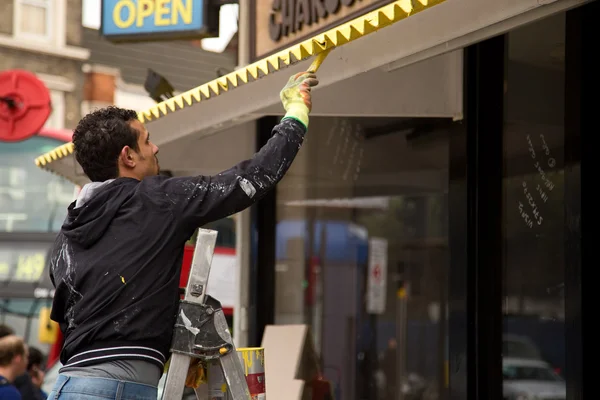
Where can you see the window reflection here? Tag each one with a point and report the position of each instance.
(512, 372)
(31, 200)
(534, 258)
(362, 255)
(22, 315)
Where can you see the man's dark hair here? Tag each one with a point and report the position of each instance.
(36, 358)
(99, 138)
(6, 330)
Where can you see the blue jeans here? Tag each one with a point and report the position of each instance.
(72, 388)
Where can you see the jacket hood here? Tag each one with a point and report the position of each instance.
(92, 213)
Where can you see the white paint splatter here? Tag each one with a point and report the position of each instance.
(247, 187)
(188, 324)
(64, 255)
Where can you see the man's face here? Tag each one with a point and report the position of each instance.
(146, 161)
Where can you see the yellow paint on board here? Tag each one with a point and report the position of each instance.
(312, 47)
(47, 328)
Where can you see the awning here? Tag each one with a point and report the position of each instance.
(62, 162)
(63, 135)
(372, 62)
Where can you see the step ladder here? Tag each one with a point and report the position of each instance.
(201, 332)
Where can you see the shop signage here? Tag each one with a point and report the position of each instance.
(19, 117)
(24, 269)
(149, 20)
(22, 264)
(377, 278)
(280, 23)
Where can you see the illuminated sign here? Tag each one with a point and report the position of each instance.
(24, 268)
(144, 20)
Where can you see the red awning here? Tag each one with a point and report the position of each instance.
(64, 135)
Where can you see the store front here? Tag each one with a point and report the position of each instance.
(429, 231)
(33, 205)
(440, 259)
(390, 231)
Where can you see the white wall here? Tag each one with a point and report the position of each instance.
(132, 100)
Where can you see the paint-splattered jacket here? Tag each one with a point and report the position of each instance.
(116, 261)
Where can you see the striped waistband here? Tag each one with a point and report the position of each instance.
(117, 353)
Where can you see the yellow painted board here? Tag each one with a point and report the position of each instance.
(312, 47)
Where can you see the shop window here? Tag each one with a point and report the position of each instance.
(31, 200)
(22, 315)
(34, 20)
(534, 211)
(362, 254)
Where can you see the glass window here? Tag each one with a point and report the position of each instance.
(530, 373)
(362, 254)
(22, 315)
(534, 218)
(33, 19)
(31, 200)
(56, 120)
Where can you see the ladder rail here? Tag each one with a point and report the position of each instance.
(175, 384)
(198, 305)
(195, 292)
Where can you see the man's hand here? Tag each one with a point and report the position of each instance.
(296, 98)
(196, 374)
(37, 376)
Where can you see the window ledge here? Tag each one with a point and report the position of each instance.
(76, 53)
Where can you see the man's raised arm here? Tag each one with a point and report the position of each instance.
(203, 199)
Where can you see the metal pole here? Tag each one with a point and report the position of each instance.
(242, 254)
(243, 33)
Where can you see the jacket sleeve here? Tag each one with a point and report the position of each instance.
(203, 199)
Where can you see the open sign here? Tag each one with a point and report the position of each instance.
(140, 20)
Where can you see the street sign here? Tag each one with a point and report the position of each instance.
(151, 20)
(377, 278)
(25, 105)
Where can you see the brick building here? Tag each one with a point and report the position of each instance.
(83, 71)
(45, 37)
(116, 73)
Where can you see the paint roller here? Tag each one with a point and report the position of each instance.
(319, 60)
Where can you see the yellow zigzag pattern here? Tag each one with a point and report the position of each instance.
(61, 151)
(335, 37)
(342, 34)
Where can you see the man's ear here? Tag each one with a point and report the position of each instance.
(126, 157)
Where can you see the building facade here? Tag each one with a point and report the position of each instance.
(43, 37)
(429, 231)
(115, 73)
(439, 257)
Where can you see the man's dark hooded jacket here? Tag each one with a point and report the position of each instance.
(117, 259)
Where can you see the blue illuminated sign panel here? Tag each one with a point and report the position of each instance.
(140, 20)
